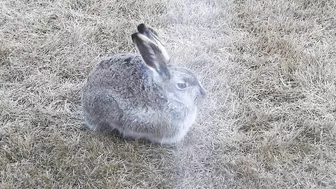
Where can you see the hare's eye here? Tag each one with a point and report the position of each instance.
(181, 85)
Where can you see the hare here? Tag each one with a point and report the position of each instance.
(142, 96)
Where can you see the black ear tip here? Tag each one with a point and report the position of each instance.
(142, 28)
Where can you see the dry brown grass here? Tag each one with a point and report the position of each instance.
(269, 68)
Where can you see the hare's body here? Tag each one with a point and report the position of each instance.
(127, 94)
(108, 105)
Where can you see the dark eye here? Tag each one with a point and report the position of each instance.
(181, 85)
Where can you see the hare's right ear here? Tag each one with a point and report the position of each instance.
(152, 35)
(154, 56)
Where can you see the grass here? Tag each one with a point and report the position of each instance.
(268, 66)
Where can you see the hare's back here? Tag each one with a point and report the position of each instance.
(119, 71)
(121, 62)
(125, 76)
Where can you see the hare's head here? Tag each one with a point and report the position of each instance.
(181, 85)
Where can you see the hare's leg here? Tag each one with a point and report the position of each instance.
(101, 112)
(149, 125)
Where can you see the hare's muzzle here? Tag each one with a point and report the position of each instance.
(202, 92)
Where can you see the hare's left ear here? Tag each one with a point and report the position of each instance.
(152, 52)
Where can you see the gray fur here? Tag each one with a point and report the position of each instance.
(124, 93)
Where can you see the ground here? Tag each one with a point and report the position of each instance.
(268, 68)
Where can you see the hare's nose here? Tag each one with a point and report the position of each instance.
(202, 92)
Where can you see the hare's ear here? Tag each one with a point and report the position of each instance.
(155, 57)
(152, 35)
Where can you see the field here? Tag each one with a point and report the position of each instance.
(269, 68)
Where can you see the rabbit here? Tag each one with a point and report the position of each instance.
(142, 96)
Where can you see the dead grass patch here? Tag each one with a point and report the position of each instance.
(268, 67)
